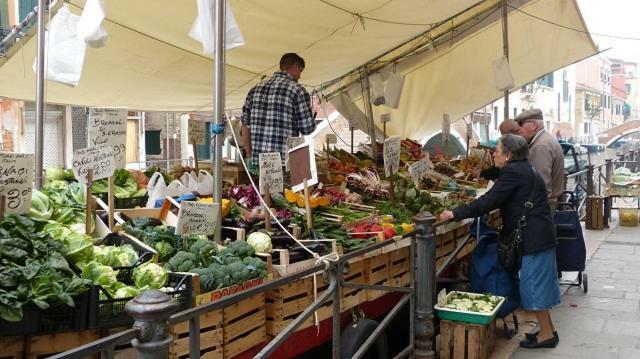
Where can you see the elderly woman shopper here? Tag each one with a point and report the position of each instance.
(520, 192)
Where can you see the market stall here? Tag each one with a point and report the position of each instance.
(199, 252)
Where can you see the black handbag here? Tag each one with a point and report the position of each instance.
(510, 246)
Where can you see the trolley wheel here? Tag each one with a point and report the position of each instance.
(585, 283)
(355, 334)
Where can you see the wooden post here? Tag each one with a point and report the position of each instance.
(2, 207)
(267, 212)
(307, 206)
(392, 193)
(484, 155)
(195, 157)
(89, 209)
(111, 203)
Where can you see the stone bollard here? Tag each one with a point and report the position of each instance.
(151, 311)
(425, 285)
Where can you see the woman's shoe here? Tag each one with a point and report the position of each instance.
(533, 343)
(535, 334)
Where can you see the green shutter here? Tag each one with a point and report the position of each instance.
(152, 143)
(26, 6)
(4, 14)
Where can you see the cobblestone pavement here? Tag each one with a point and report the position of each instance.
(605, 322)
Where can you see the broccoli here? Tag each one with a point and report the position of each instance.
(165, 250)
(204, 250)
(144, 222)
(257, 267)
(207, 279)
(221, 275)
(239, 249)
(182, 262)
(228, 259)
(238, 273)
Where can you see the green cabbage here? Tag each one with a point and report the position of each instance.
(100, 274)
(40, 206)
(150, 275)
(79, 248)
(261, 242)
(123, 256)
(126, 291)
(55, 174)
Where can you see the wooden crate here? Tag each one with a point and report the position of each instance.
(286, 302)
(400, 267)
(377, 271)
(42, 346)
(351, 297)
(447, 242)
(595, 213)
(226, 332)
(470, 341)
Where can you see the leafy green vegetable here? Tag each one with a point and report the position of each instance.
(150, 275)
(40, 206)
(120, 256)
(239, 249)
(182, 262)
(204, 250)
(261, 242)
(55, 174)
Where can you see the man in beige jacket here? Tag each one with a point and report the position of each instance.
(545, 153)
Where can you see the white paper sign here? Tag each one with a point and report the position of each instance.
(197, 132)
(391, 155)
(293, 142)
(196, 218)
(109, 125)
(16, 181)
(386, 117)
(446, 126)
(101, 158)
(332, 139)
(270, 165)
(418, 169)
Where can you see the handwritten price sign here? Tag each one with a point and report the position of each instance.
(101, 158)
(196, 218)
(109, 126)
(271, 173)
(16, 181)
(418, 169)
(391, 155)
(196, 132)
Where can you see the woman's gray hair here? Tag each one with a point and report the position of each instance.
(515, 145)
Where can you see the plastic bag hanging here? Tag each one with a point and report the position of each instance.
(203, 29)
(64, 53)
(90, 29)
(502, 76)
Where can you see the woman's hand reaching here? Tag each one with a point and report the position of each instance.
(446, 215)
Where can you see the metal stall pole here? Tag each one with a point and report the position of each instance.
(151, 311)
(39, 150)
(505, 52)
(425, 285)
(590, 184)
(166, 141)
(336, 275)
(607, 201)
(218, 103)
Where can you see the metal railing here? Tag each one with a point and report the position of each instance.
(153, 311)
(594, 180)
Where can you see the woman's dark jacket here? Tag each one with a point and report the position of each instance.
(509, 194)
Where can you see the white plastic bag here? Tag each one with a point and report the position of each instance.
(175, 189)
(377, 89)
(204, 183)
(502, 76)
(155, 189)
(90, 29)
(203, 28)
(189, 182)
(64, 52)
(393, 90)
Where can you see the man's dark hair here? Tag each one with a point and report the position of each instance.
(289, 59)
(515, 145)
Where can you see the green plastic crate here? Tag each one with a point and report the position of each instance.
(463, 315)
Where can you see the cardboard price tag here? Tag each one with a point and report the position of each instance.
(197, 132)
(391, 155)
(418, 169)
(109, 125)
(100, 158)
(16, 181)
(271, 178)
(332, 139)
(305, 166)
(196, 218)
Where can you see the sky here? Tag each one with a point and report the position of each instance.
(614, 17)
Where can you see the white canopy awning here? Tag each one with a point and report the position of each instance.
(150, 63)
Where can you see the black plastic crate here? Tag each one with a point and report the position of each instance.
(57, 318)
(107, 312)
(124, 203)
(144, 255)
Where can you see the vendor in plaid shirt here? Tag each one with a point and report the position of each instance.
(276, 109)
